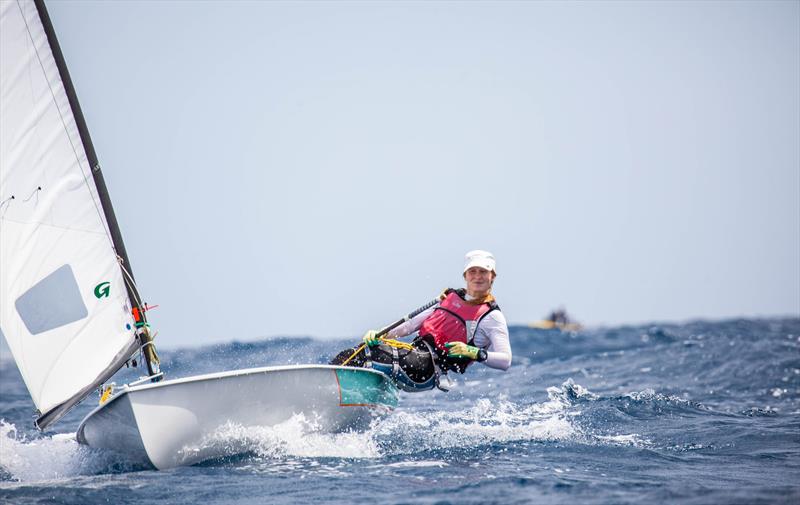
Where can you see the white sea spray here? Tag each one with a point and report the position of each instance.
(48, 458)
(298, 436)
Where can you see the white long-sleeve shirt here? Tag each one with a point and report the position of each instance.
(492, 335)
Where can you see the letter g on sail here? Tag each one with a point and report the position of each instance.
(102, 289)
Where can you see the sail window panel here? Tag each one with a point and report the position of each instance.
(52, 302)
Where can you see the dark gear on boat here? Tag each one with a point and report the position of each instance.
(411, 369)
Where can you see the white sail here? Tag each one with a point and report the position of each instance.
(64, 308)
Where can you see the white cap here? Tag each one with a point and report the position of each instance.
(478, 258)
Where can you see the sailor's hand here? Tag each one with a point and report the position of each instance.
(461, 350)
(371, 338)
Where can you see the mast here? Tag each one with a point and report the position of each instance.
(145, 341)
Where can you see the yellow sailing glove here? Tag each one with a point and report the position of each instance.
(461, 350)
(371, 339)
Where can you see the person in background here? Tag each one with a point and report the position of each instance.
(559, 316)
(466, 326)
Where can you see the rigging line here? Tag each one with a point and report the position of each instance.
(7, 203)
(64, 124)
(128, 278)
(35, 192)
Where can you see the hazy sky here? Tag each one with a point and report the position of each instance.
(320, 168)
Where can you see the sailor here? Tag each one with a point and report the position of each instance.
(559, 316)
(466, 326)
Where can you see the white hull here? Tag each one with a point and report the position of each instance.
(171, 423)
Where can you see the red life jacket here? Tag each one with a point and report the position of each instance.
(454, 320)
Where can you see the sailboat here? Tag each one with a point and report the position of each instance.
(70, 308)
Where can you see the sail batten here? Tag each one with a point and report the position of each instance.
(65, 305)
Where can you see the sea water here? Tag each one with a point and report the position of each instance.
(701, 412)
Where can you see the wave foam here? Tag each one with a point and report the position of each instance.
(295, 437)
(403, 432)
(54, 457)
(46, 458)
